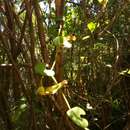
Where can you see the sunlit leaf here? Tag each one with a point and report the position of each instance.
(71, 37)
(90, 2)
(100, 1)
(67, 44)
(86, 37)
(91, 26)
(51, 89)
(54, 88)
(74, 38)
(23, 99)
(49, 72)
(86, 128)
(88, 106)
(58, 41)
(75, 115)
(107, 21)
(123, 72)
(23, 106)
(127, 71)
(41, 90)
(103, 2)
(39, 68)
(82, 58)
(109, 65)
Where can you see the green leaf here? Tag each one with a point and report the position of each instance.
(75, 115)
(127, 71)
(17, 113)
(39, 68)
(58, 41)
(51, 89)
(91, 26)
(15, 117)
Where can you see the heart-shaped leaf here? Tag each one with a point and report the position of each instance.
(91, 26)
(39, 68)
(75, 115)
(54, 88)
(51, 89)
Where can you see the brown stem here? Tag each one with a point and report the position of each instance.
(41, 33)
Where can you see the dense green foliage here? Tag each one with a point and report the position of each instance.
(67, 70)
